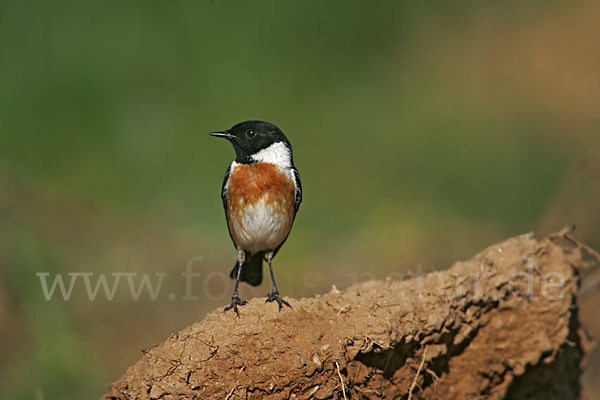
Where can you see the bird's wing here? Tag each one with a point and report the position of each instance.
(224, 198)
(298, 183)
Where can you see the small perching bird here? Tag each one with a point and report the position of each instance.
(261, 195)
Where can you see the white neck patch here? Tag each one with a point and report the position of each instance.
(277, 153)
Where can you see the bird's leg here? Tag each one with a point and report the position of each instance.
(274, 295)
(235, 299)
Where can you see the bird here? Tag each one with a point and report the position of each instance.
(261, 195)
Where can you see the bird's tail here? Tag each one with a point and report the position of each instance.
(251, 269)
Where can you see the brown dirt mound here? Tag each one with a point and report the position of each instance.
(497, 326)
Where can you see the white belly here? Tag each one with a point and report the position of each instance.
(260, 226)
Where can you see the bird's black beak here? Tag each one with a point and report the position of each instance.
(223, 134)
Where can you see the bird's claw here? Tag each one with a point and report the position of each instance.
(274, 296)
(235, 301)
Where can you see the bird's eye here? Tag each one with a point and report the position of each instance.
(250, 133)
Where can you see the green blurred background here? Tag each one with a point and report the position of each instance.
(423, 131)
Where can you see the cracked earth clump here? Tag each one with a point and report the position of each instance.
(502, 325)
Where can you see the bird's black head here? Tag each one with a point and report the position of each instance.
(249, 138)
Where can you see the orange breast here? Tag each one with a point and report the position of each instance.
(249, 182)
(265, 185)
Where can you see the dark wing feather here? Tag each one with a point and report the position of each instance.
(298, 183)
(224, 199)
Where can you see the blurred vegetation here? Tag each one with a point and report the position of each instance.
(423, 131)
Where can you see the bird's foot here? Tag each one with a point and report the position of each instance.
(274, 296)
(235, 301)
